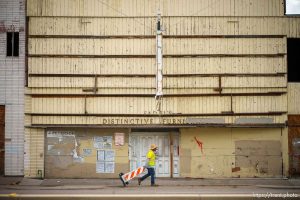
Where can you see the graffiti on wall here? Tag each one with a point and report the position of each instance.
(200, 144)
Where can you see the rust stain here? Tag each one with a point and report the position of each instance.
(236, 169)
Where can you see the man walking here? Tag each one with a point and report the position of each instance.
(150, 165)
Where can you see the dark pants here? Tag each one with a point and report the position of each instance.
(151, 172)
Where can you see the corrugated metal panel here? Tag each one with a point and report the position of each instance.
(260, 104)
(224, 46)
(169, 82)
(92, 65)
(184, 105)
(124, 82)
(131, 91)
(130, 105)
(149, 8)
(173, 26)
(34, 152)
(92, 46)
(242, 82)
(59, 46)
(12, 18)
(219, 65)
(293, 98)
(212, 65)
(293, 27)
(92, 26)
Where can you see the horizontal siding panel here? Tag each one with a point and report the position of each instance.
(183, 105)
(118, 8)
(60, 46)
(58, 105)
(130, 105)
(294, 98)
(170, 82)
(222, 65)
(173, 26)
(260, 104)
(122, 82)
(293, 27)
(85, 82)
(224, 46)
(243, 82)
(135, 91)
(213, 65)
(91, 26)
(92, 65)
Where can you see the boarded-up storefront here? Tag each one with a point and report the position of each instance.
(85, 153)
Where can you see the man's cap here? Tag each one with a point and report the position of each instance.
(153, 146)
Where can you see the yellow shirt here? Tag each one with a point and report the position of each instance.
(151, 157)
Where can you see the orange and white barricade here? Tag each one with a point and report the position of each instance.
(125, 178)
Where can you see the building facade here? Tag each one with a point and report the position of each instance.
(12, 82)
(94, 72)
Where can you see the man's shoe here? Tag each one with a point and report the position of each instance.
(139, 181)
(154, 185)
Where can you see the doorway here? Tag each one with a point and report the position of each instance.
(139, 143)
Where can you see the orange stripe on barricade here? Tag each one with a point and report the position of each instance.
(130, 175)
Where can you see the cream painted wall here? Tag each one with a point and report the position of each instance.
(219, 152)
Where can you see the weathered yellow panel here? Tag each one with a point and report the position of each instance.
(223, 26)
(204, 65)
(182, 46)
(224, 46)
(152, 91)
(123, 82)
(62, 46)
(293, 27)
(260, 103)
(149, 8)
(293, 98)
(91, 26)
(58, 105)
(242, 82)
(130, 105)
(222, 65)
(173, 25)
(135, 105)
(170, 82)
(92, 65)
(34, 152)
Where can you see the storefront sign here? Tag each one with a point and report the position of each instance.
(130, 120)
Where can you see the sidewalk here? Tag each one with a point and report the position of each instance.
(23, 183)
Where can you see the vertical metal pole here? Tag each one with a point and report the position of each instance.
(171, 154)
(159, 63)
